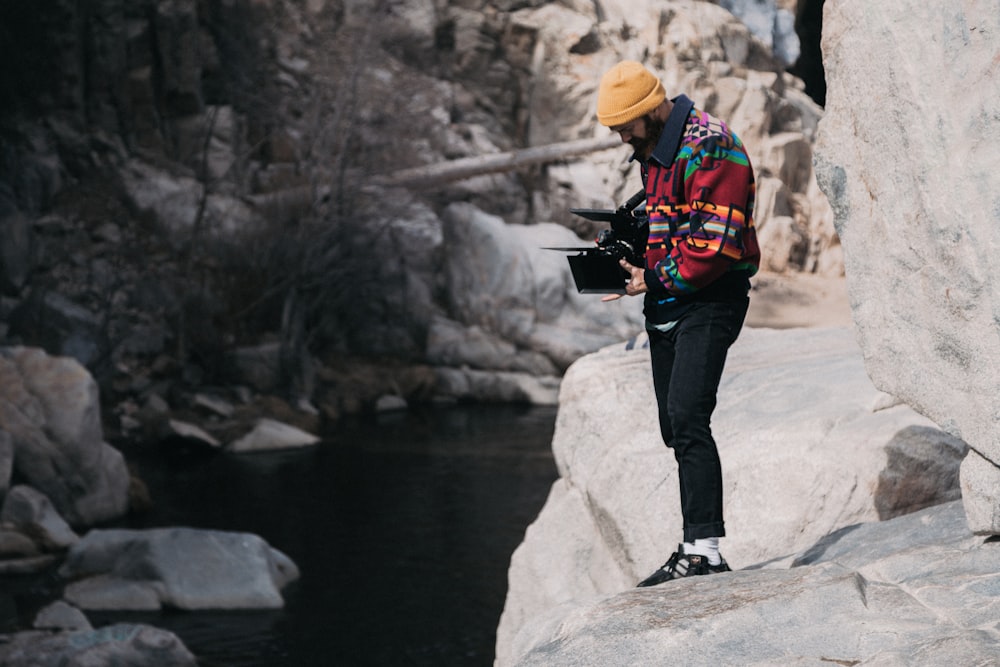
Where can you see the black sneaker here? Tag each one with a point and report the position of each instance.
(680, 565)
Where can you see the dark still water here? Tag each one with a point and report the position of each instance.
(402, 525)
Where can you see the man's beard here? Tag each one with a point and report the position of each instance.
(644, 146)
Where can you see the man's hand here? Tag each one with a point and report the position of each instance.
(635, 285)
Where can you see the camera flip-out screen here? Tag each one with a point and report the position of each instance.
(597, 273)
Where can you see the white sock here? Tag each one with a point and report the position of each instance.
(707, 547)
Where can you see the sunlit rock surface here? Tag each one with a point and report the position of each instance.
(904, 156)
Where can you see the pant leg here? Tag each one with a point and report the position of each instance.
(687, 366)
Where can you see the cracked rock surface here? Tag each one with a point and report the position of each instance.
(915, 590)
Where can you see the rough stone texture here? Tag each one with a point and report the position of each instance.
(174, 200)
(980, 493)
(903, 156)
(31, 513)
(258, 366)
(808, 446)
(61, 616)
(27, 564)
(449, 343)
(49, 407)
(918, 590)
(6, 461)
(15, 544)
(122, 645)
(182, 568)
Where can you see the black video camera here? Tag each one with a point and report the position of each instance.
(596, 270)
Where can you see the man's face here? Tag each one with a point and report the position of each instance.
(641, 134)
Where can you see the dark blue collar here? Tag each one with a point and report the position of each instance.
(673, 131)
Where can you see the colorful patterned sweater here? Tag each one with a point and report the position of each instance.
(699, 197)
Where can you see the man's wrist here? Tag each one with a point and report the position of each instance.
(653, 284)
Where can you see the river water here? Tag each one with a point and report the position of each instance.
(402, 525)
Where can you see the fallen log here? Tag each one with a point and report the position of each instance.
(441, 173)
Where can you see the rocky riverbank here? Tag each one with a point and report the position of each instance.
(59, 479)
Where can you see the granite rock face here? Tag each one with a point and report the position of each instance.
(903, 155)
(808, 447)
(918, 590)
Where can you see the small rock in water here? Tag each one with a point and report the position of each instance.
(389, 402)
(271, 434)
(61, 616)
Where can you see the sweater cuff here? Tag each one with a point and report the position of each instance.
(653, 284)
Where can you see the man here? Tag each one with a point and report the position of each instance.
(702, 251)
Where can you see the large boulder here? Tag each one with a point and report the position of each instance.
(182, 568)
(50, 410)
(904, 157)
(179, 204)
(808, 446)
(501, 280)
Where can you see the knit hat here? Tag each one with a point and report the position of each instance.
(628, 91)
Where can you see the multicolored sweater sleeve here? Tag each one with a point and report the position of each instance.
(700, 211)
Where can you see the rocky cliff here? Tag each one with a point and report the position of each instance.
(188, 188)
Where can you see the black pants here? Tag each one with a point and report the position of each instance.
(687, 367)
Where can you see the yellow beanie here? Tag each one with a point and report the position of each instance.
(628, 91)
